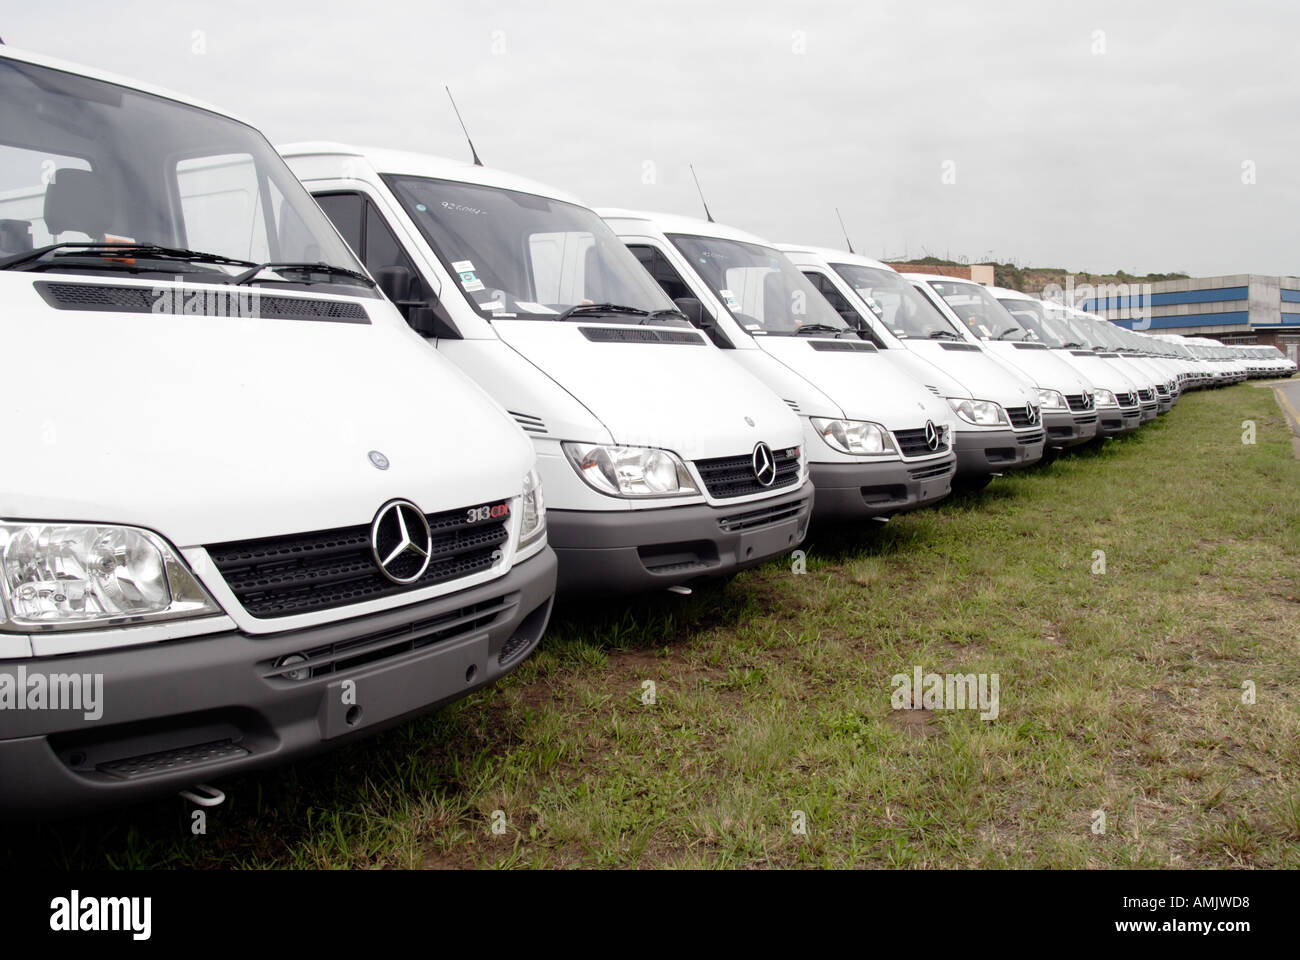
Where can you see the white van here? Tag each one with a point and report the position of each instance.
(663, 463)
(878, 442)
(1065, 393)
(249, 515)
(923, 342)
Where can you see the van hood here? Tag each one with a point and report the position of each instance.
(684, 397)
(866, 385)
(982, 376)
(1103, 373)
(1039, 364)
(213, 428)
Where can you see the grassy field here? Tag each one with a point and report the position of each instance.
(1120, 692)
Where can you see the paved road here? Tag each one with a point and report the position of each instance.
(1288, 398)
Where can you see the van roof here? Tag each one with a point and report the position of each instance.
(40, 60)
(411, 164)
(832, 255)
(1005, 293)
(676, 223)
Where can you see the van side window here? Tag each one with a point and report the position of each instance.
(657, 265)
(347, 211)
(369, 235)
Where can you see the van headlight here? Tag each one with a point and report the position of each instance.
(983, 413)
(858, 437)
(1051, 400)
(1104, 398)
(631, 471)
(80, 575)
(532, 511)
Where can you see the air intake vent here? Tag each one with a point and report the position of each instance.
(792, 405)
(1029, 346)
(624, 335)
(531, 424)
(1082, 353)
(842, 346)
(207, 302)
(959, 347)
(933, 389)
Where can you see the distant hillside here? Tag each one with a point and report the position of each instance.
(1033, 279)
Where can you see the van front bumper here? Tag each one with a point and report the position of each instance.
(981, 452)
(1117, 421)
(627, 551)
(1065, 429)
(857, 491)
(190, 711)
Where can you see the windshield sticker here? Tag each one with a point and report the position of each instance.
(875, 307)
(758, 328)
(114, 238)
(468, 278)
(493, 305)
(729, 299)
(529, 307)
(985, 330)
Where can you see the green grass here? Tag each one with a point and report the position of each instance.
(1120, 692)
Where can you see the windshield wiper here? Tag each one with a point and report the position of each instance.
(326, 268)
(667, 315)
(819, 328)
(581, 308)
(114, 252)
(1003, 333)
(943, 335)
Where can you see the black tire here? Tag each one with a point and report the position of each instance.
(970, 484)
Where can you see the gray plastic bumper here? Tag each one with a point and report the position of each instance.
(188, 711)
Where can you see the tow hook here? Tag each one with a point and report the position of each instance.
(208, 797)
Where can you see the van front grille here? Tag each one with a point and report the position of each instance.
(727, 477)
(1022, 417)
(911, 443)
(306, 572)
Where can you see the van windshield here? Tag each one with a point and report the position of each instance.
(763, 290)
(522, 255)
(85, 163)
(896, 303)
(983, 315)
(1033, 319)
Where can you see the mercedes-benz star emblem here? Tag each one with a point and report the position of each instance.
(931, 435)
(764, 465)
(400, 541)
(1032, 411)
(378, 459)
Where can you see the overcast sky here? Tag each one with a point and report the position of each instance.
(1089, 136)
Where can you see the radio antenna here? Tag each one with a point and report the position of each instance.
(845, 231)
(704, 202)
(473, 152)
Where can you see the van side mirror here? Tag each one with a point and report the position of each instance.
(427, 319)
(694, 311)
(395, 282)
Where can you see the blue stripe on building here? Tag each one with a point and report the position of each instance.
(1291, 296)
(1218, 295)
(1196, 320)
(1288, 320)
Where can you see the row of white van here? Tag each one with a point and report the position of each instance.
(304, 448)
